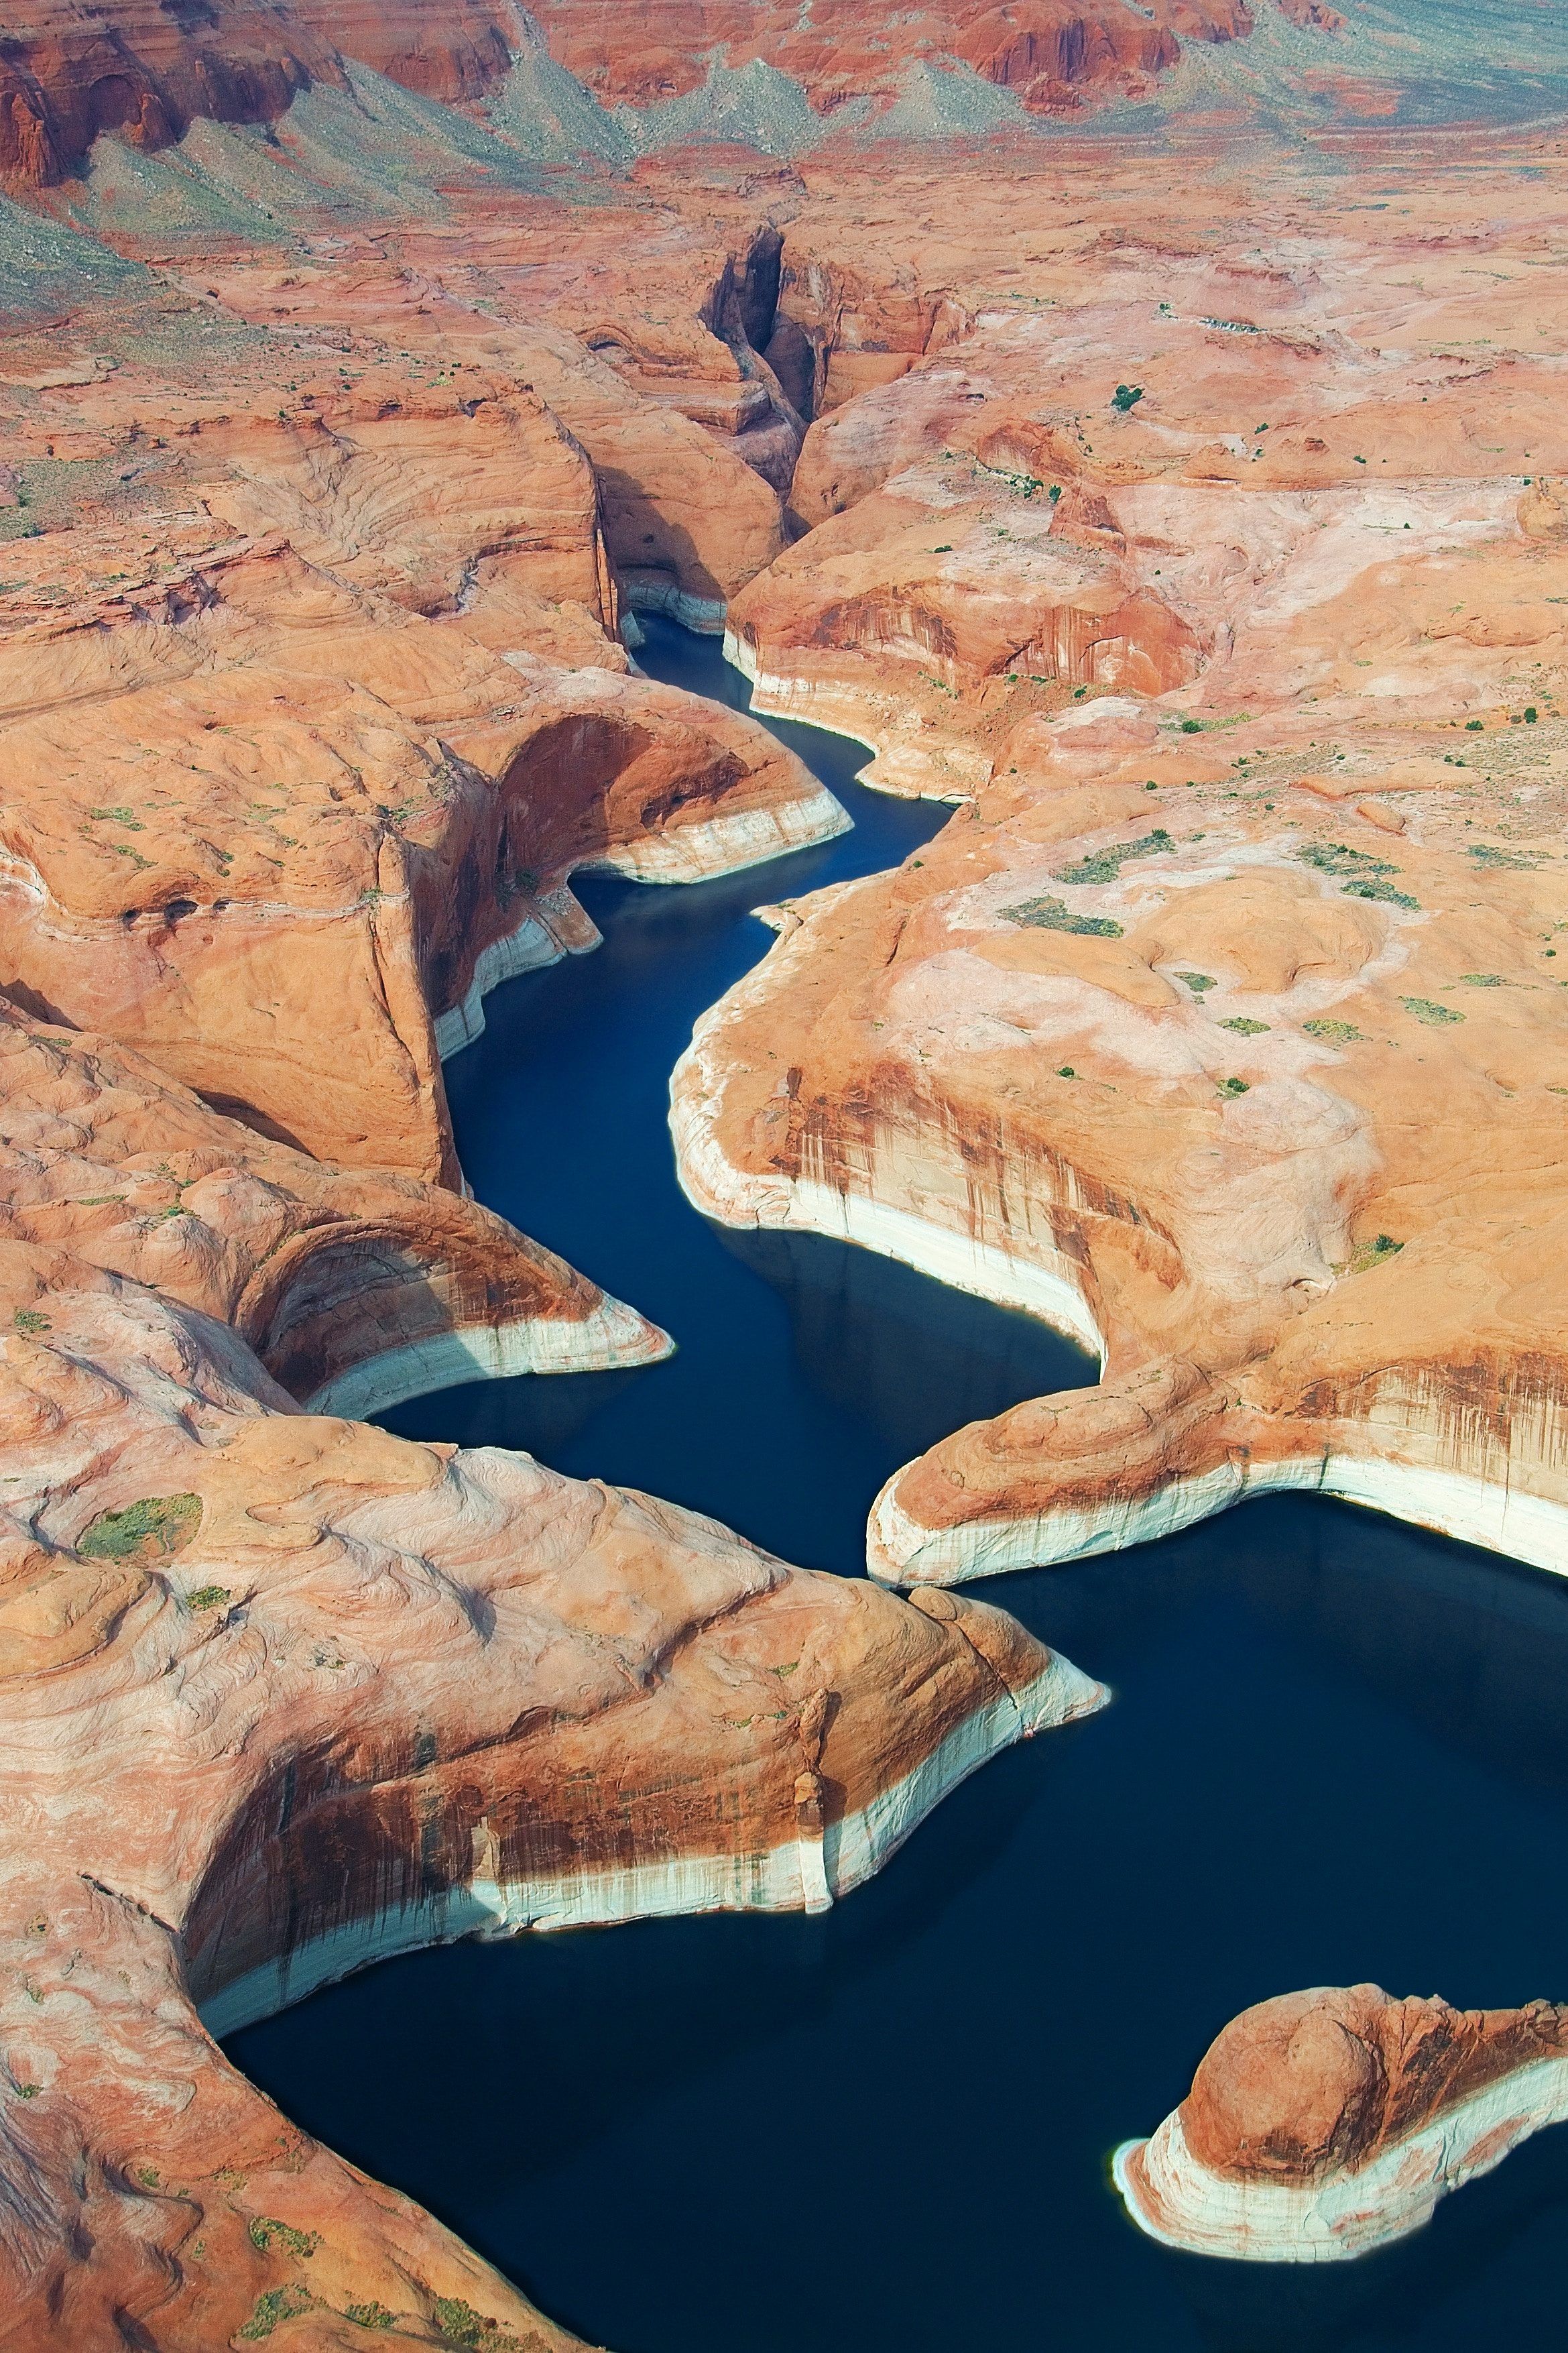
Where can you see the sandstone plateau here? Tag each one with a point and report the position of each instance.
(1221, 1023)
(1322, 2124)
(299, 740)
(363, 376)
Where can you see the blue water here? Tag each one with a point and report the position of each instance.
(804, 1371)
(1339, 1749)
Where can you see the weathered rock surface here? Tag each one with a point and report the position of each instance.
(313, 697)
(1325, 2124)
(1222, 1026)
(281, 741)
(284, 1692)
(71, 72)
(355, 1289)
(990, 524)
(682, 427)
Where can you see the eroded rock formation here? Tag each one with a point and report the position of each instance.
(1052, 52)
(1325, 2124)
(1222, 1025)
(285, 1692)
(284, 741)
(145, 72)
(355, 1289)
(314, 696)
(72, 73)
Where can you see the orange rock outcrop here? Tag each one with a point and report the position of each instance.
(1222, 1024)
(72, 73)
(1325, 2124)
(282, 1692)
(287, 743)
(355, 1289)
(314, 694)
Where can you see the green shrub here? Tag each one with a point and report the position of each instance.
(1379, 890)
(1335, 1033)
(1483, 979)
(460, 2324)
(369, 2316)
(207, 1597)
(1361, 876)
(28, 1320)
(1126, 396)
(266, 2233)
(153, 1529)
(1105, 865)
(1050, 915)
(278, 2304)
(1338, 858)
(1198, 981)
(1234, 1087)
(1372, 1254)
(1426, 1008)
(1243, 1027)
(1486, 853)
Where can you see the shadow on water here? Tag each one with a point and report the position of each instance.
(806, 1370)
(1339, 1749)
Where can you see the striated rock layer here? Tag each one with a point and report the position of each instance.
(1326, 2124)
(314, 696)
(73, 69)
(356, 1290)
(1221, 1025)
(1053, 53)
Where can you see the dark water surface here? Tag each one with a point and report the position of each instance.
(1339, 1749)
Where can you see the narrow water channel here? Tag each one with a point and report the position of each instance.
(1338, 1751)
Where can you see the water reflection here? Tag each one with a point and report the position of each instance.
(911, 1359)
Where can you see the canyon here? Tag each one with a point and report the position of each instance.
(1036, 413)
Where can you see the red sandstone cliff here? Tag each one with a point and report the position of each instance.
(1050, 51)
(69, 71)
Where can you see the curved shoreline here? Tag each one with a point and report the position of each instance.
(808, 1873)
(1495, 1517)
(706, 851)
(613, 1337)
(1173, 2197)
(718, 1189)
(777, 696)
